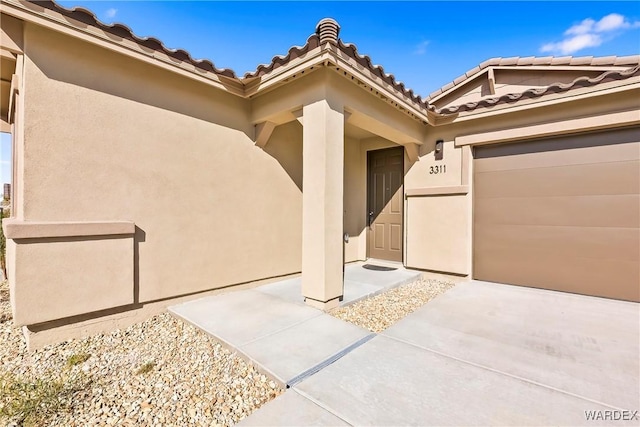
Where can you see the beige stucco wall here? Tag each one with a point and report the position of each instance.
(72, 276)
(129, 142)
(355, 199)
(437, 210)
(438, 237)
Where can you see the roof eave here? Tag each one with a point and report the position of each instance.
(63, 24)
(328, 55)
(612, 87)
(586, 63)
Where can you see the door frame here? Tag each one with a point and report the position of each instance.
(368, 200)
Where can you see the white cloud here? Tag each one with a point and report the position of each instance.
(581, 28)
(421, 48)
(614, 22)
(590, 33)
(111, 13)
(573, 44)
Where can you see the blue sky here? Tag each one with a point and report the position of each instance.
(424, 44)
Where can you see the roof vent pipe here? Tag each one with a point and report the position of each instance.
(328, 30)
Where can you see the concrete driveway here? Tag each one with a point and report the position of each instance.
(482, 354)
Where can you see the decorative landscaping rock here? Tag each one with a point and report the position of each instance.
(381, 311)
(158, 372)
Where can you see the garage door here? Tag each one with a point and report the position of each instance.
(561, 214)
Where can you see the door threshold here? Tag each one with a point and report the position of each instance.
(384, 263)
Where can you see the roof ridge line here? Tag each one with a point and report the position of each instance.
(294, 52)
(379, 71)
(583, 81)
(611, 60)
(118, 29)
(87, 17)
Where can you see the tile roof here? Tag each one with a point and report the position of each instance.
(364, 60)
(516, 61)
(327, 31)
(120, 30)
(606, 76)
(279, 60)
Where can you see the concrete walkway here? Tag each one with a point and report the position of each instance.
(361, 280)
(273, 327)
(481, 354)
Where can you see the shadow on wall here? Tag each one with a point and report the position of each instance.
(285, 146)
(139, 237)
(81, 64)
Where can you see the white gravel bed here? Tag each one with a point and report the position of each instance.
(191, 380)
(383, 310)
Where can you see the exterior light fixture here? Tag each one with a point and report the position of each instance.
(439, 151)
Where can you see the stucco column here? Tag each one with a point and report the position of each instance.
(322, 204)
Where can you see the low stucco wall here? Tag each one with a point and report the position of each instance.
(130, 142)
(71, 276)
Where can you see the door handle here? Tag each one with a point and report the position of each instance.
(370, 218)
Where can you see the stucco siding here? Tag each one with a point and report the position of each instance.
(72, 276)
(355, 199)
(438, 236)
(109, 138)
(437, 210)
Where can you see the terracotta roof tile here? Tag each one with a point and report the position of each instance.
(560, 60)
(327, 31)
(542, 60)
(122, 31)
(535, 93)
(509, 61)
(626, 60)
(603, 60)
(447, 86)
(364, 60)
(459, 80)
(279, 60)
(489, 62)
(435, 93)
(526, 61)
(534, 60)
(584, 60)
(472, 71)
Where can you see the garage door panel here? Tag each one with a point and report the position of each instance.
(560, 214)
(609, 278)
(582, 211)
(561, 242)
(574, 180)
(615, 146)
